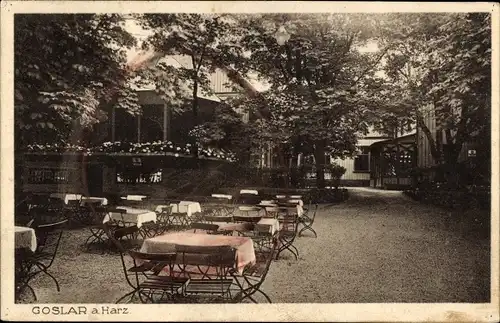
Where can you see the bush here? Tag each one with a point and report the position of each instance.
(439, 194)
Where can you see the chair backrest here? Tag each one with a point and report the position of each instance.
(214, 218)
(167, 209)
(114, 231)
(163, 214)
(275, 211)
(217, 256)
(208, 262)
(98, 214)
(265, 250)
(43, 215)
(249, 208)
(48, 238)
(120, 212)
(206, 227)
(250, 219)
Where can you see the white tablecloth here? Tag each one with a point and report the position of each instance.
(90, 199)
(188, 207)
(267, 225)
(25, 238)
(132, 215)
(134, 197)
(77, 197)
(222, 196)
(255, 192)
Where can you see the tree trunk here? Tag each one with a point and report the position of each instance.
(319, 155)
(436, 154)
(194, 108)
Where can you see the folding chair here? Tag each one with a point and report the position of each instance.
(85, 213)
(43, 215)
(308, 221)
(211, 218)
(253, 277)
(287, 234)
(38, 262)
(142, 270)
(250, 210)
(148, 282)
(96, 228)
(275, 212)
(210, 270)
(243, 219)
(179, 220)
(162, 225)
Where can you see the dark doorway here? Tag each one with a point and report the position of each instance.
(94, 179)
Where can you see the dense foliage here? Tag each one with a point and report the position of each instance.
(68, 67)
(335, 76)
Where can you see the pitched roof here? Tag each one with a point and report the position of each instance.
(220, 81)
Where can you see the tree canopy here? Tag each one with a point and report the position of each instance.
(67, 67)
(335, 77)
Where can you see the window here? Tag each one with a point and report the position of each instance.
(48, 176)
(362, 160)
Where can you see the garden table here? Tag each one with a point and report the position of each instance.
(25, 238)
(187, 207)
(254, 192)
(222, 196)
(265, 225)
(132, 215)
(93, 199)
(298, 207)
(80, 197)
(297, 197)
(181, 212)
(245, 253)
(134, 197)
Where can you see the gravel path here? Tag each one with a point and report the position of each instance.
(379, 246)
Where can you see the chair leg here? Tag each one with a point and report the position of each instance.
(44, 270)
(287, 245)
(131, 294)
(308, 227)
(265, 295)
(55, 281)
